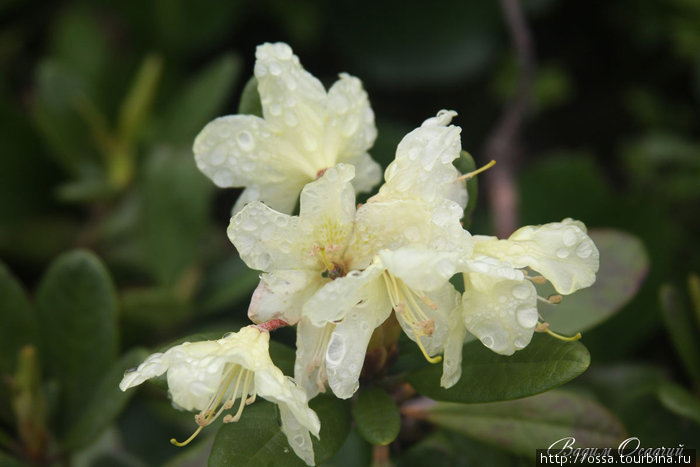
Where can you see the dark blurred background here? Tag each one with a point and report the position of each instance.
(100, 102)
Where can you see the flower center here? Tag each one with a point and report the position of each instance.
(237, 383)
(404, 301)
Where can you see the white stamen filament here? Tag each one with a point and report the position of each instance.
(404, 303)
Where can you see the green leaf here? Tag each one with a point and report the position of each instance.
(137, 104)
(354, 451)
(533, 423)
(200, 101)
(681, 327)
(486, 376)
(17, 321)
(694, 292)
(106, 403)
(18, 327)
(257, 439)
(444, 448)
(59, 93)
(77, 309)
(174, 214)
(679, 401)
(250, 99)
(225, 284)
(623, 267)
(377, 417)
(465, 164)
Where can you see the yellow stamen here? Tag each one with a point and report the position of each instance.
(175, 442)
(470, 175)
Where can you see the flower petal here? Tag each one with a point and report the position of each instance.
(329, 202)
(268, 240)
(420, 268)
(350, 128)
(337, 298)
(437, 308)
(235, 151)
(423, 166)
(280, 196)
(293, 102)
(155, 365)
(348, 344)
(452, 356)
(297, 435)
(502, 313)
(560, 251)
(310, 363)
(368, 173)
(281, 295)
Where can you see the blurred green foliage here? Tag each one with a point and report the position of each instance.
(112, 241)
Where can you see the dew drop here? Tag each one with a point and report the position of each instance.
(299, 440)
(520, 343)
(223, 178)
(276, 110)
(336, 349)
(218, 155)
(562, 253)
(502, 299)
(521, 291)
(527, 317)
(275, 69)
(569, 237)
(487, 341)
(290, 119)
(584, 250)
(245, 140)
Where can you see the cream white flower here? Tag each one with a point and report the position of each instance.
(305, 131)
(338, 272)
(500, 299)
(209, 376)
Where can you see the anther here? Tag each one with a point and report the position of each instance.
(537, 279)
(555, 299)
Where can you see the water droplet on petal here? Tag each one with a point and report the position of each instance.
(521, 291)
(520, 343)
(584, 250)
(527, 317)
(487, 341)
(299, 440)
(336, 349)
(569, 237)
(290, 119)
(276, 110)
(562, 253)
(275, 69)
(218, 155)
(245, 140)
(223, 178)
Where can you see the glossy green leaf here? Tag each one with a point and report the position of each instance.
(680, 401)
(544, 364)
(533, 423)
(694, 292)
(136, 106)
(200, 100)
(250, 99)
(257, 439)
(18, 327)
(465, 164)
(174, 214)
(623, 267)
(681, 326)
(377, 417)
(60, 92)
(632, 392)
(354, 451)
(444, 448)
(77, 308)
(226, 284)
(106, 403)
(17, 320)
